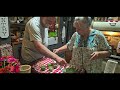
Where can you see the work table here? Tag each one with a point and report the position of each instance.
(115, 57)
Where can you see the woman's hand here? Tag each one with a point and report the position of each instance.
(55, 50)
(94, 55)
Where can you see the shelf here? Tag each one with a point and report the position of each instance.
(107, 26)
(17, 25)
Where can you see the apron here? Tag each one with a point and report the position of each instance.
(81, 59)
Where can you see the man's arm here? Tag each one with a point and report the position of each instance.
(45, 51)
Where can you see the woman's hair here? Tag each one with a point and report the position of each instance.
(86, 20)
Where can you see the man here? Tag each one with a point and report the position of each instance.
(33, 45)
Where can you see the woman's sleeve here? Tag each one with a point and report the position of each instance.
(70, 43)
(103, 43)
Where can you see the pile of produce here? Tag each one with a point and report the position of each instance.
(72, 69)
(50, 67)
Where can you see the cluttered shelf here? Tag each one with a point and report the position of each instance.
(15, 43)
(17, 24)
(17, 32)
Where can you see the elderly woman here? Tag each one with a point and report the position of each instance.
(89, 46)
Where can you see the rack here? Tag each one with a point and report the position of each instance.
(17, 27)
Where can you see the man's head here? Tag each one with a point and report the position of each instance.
(46, 21)
(82, 24)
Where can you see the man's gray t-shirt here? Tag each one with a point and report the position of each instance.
(33, 31)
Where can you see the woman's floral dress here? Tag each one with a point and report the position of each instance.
(82, 50)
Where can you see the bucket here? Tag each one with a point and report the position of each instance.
(25, 69)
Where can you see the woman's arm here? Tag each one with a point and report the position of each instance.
(61, 49)
(104, 49)
(100, 54)
(68, 46)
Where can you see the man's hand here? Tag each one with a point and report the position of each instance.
(94, 56)
(61, 61)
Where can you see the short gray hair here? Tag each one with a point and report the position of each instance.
(86, 20)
